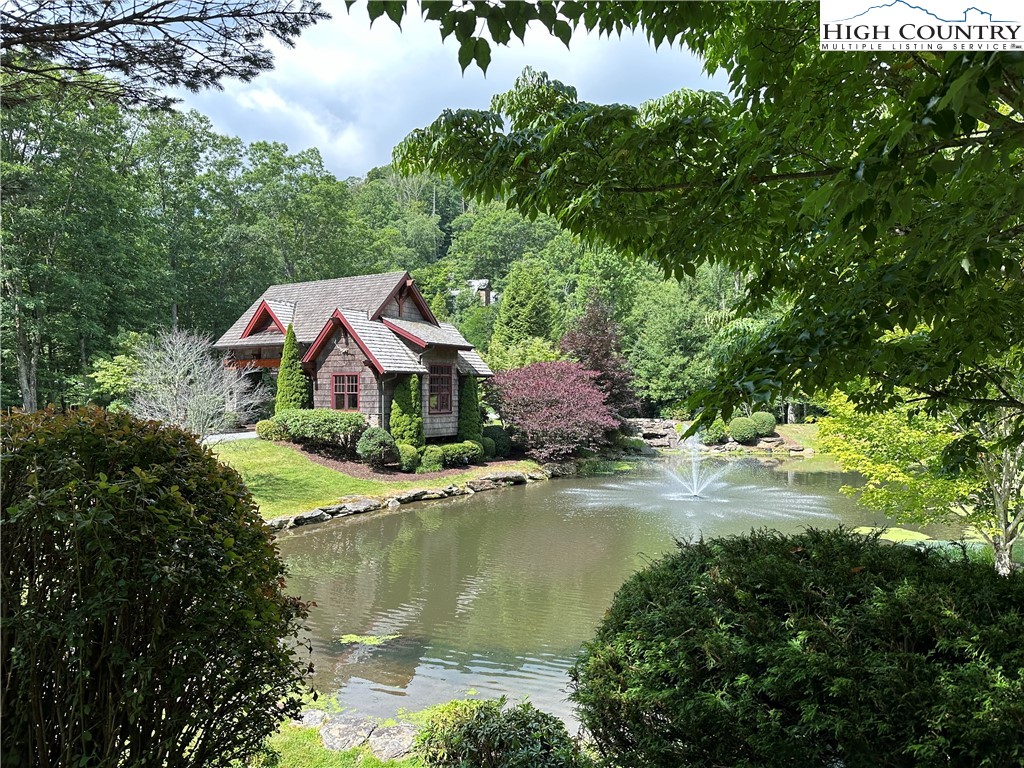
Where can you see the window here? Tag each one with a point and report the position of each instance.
(440, 400)
(346, 391)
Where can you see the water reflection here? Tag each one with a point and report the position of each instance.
(495, 592)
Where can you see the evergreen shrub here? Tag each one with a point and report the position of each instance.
(502, 442)
(764, 422)
(432, 459)
(461, 454)
(320, 429)
(823, 648)
(470, 427)
(484, 734)
(408, 457)
(742, 430)
(489, 447)
(292, 383)
(714, 434)
(406, 421)
(271, 429)
(143, 620)
(377, 447)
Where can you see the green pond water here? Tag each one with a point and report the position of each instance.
(493, 593)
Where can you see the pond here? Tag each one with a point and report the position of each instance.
(493, 593)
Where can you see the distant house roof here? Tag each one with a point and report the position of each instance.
(317, 310)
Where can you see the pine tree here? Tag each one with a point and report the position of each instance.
(470, 427)
(526, 310)
(292, 384)
(407, 413)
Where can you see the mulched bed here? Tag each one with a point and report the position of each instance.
(388, 475)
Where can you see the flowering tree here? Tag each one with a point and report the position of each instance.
(555, 408)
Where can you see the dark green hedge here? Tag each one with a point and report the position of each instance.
(820, 649)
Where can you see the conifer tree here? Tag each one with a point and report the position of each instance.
(407, 413)
(526, 310)
(470, 427)
(292, 384)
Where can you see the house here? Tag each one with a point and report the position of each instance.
(359, 337)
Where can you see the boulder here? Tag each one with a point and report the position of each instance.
(481, 484)
(414, 495)
(359, 506)
(342, 732)
(313, 516)
(392, 742)
(311, 718)
(279, 523)
(506, 478)
(394, 503)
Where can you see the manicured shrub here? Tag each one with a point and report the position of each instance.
(377, 447)
(764, 422)
(292, 383)
(461, 454)
(432, 459)
(821, 648)
(271, 429)
(714, 434)
(483, 734)
(742, 430)
(489, 447)
(632, 444)
(335, 432)
(143, 620)
(556, 408)
(406, 422)
(408, 457)
(469, 410)
(502, 442)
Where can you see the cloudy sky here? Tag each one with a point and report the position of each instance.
(354, 91)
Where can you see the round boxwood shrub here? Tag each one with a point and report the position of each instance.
(377, 447)
(764, 422)
(271, 429)
(502, 442)
(488, 445)
(484, 734)
(461, 454)
(408, 457)
(742, 430)
(432, 459)
(714, 434)
(143, 616)
(818, 649)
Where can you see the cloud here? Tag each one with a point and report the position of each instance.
(354, 91)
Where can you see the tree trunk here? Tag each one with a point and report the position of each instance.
(27, 354)
(1003, 555)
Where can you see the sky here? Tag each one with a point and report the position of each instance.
(354, 91)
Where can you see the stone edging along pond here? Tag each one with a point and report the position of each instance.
(361, 504)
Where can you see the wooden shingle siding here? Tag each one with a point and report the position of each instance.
(342, 355)
(409, 310)
(440, 424)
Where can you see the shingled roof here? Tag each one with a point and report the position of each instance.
(317, 309)
(313, 302)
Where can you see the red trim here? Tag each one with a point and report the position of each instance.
(417, 297)
(329, 329)
(262, 363)
(430, 382)
(346, 393)
(404, 333)
(258, 315)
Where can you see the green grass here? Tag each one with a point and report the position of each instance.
(803, 434)
(298, 747)
(284, 482)
(807, 436)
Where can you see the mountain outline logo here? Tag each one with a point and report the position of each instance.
(911, 7)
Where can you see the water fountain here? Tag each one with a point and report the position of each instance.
(699, 477)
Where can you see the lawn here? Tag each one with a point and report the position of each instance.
(301, 748)
(284, 482)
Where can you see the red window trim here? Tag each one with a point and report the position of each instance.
(440, 373)
(335, 393)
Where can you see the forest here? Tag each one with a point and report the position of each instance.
(121, 221)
